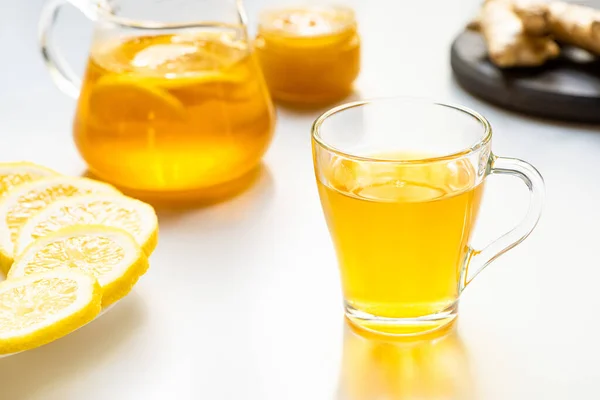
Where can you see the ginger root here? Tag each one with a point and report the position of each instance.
(520, 33)
(508, 41)
(534, 16)
(575, 25)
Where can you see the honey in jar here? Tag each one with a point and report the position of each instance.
(309, 55)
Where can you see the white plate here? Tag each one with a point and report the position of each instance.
(107, 309)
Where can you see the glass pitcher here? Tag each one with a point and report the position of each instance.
(167, 103)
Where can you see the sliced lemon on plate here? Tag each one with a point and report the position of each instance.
(133, 216)
(109, 254)
(17, 206)
(17, 173)
(38, 309)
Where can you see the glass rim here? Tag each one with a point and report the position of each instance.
(483, 141)
(103, 10)
(274, 10)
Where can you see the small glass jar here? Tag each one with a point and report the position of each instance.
(309, 54)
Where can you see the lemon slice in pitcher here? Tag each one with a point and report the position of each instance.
(109, 254)
(133, 216)
(133, 98)
(28, 199)
(38, 309)
(17, 173)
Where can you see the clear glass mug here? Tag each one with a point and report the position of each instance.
(401, 182)
(173, 98)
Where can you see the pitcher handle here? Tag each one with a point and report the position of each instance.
(242, 13)
(61, 72)
(477, 260)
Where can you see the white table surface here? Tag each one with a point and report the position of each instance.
(242, 300)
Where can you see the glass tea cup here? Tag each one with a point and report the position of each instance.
(173, 99)
(401, 183)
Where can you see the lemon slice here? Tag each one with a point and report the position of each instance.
(117, 98)
(182, 81)
(38, 309)
(109, 254)
(200, 79)
(13, 174)
(133, 216)
(26, 200)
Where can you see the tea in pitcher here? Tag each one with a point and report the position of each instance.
(401, 232)
(309, 55)
(173, 112)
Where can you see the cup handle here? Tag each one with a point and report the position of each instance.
(63, 75)
(477, 260)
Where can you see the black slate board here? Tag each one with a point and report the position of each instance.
(567, 88)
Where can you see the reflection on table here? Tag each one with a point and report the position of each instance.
(378, 367)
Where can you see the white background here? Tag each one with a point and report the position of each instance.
(242, 300)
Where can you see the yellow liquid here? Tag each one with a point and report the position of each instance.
(173, 112)
(309, 55)
(400, 232)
